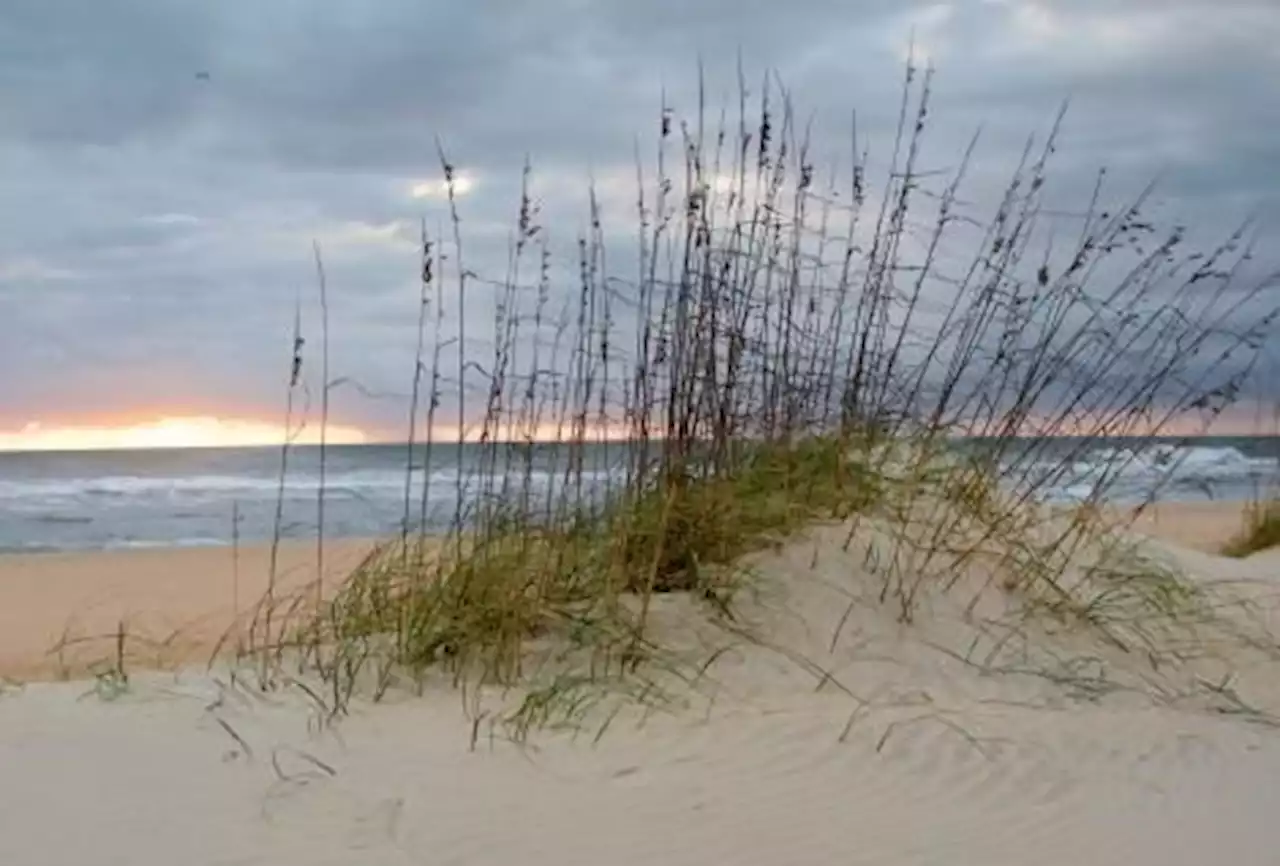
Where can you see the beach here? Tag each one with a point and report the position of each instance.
(155, 779)
(1204, 526)
(462, 434)
(174, 604)
(916, 759)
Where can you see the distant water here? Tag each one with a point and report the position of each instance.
(131, 499)
(188, 498)
(1131, 470)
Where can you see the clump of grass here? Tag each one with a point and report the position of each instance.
(1261, 530)
(111, 674)
(1135, 602)
(683, 521)
(582, 588)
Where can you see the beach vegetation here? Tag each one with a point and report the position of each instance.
(778, 346)
(1261, 530)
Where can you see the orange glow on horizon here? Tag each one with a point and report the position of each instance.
(543, 433)
(205, 431)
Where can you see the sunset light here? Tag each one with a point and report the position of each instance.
(439, 189)
(167, 432)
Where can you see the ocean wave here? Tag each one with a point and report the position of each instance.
(370, 482)
(116, 509)
(24, 547)
(118, 486)
(1143, 470)
(153, 544)
(60, 519)
(1126, 470)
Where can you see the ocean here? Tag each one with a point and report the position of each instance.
(164, 498)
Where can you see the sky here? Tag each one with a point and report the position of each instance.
(167, 165)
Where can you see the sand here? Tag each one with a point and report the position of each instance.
(154, 780)
(174, 603)
(1202, 526)
(943, 764)
(177, 603)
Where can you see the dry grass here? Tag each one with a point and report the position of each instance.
(779, 351)
(1261, 530)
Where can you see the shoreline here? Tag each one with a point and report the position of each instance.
(173, 604)
(176, 604)
(1007, 765)
(947, 762)
(1217, 513)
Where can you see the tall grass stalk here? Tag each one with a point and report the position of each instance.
(775, 355)
(325, 386)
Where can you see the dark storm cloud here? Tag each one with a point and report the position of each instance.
(157, 222)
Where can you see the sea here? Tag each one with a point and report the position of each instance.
(72, 501)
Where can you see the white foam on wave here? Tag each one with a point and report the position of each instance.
(1124, 470)
(1141, 471)
(154, 544)
(370, 482)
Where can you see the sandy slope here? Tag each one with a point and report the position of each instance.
(155, 780)
(944, 763)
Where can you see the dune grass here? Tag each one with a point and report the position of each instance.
(583, 585)
(779, 348)
(1261, 530)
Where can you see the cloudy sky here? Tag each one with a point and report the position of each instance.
(165, 165)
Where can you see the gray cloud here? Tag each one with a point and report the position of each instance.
(156, 226)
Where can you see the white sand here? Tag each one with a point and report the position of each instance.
(943, 765)
(154, 780)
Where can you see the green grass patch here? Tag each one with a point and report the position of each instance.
(479, 607)
(1261, 530)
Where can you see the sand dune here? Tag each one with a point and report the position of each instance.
(910, 755)
(155, 780)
